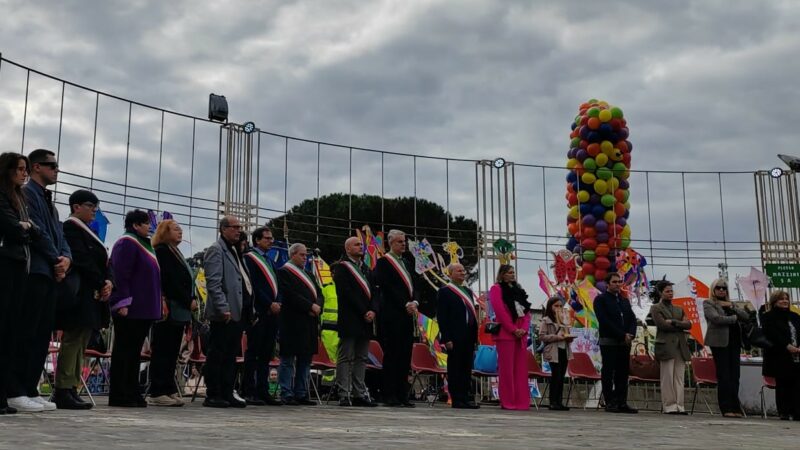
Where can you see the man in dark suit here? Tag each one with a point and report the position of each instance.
(356, 316)
(458, 326)
(301, 306)
(262, 333)
(396, 319)
(617, 329)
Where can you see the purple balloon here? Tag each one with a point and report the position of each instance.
(623, 133)
(588, 220)
(623, 184)
(584, 132)
(578, 250)
(594, 199)
(572, 152)
(601, 286)
(621, 221)
(602, 237)
(581, 155)
(601, 226)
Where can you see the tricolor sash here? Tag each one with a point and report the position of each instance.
(360, 278)
(88, 230)
(147, 249)
(464, 298)
(401, 270)
(266, 269)
(301, 274)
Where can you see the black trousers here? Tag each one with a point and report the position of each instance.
(260, 350)
(129, 335)
(726, 360)
(397, 344)
(13, 281)
(614, 374)
(459, 371)
(33, 328)
(557, 372)
(787, 394)
(224, 343)
(165, 345)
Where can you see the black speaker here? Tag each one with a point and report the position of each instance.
(217, 108)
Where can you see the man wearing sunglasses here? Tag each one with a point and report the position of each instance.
(50, 260)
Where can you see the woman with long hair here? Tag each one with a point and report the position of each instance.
(512, 310)
(782, 360)
(16, 232)
(178, 302)
(554, 332)
(671, 349)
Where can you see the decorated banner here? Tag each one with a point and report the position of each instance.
(754, 287)
(429, 330)
(586, 341)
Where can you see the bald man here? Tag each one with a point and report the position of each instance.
(354, 290)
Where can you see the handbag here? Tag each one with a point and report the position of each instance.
(492, 328)
(754, 335)
(645, 366)
(486, 359)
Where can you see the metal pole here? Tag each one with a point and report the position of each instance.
(722, 217)
(160, 159)
(318, 168)
(544, 202)
(94, 134)
(25, 111)
(447, 196)
(127, 159)
(685, 223)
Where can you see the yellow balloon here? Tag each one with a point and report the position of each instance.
(605, 115)
(588, 178)
(601, 187)
(583, 196)
(613, 184)
(625, 175)
(606, 147)
(610, 216)
(603, 103)
(571, 163)
(626, 231)
(615, 154)
(573, 212)
(628, 205)
(601, 159)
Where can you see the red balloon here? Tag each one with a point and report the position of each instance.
(600, 274)
(619, 209)
(589, 232)
(572, 228)
(584, 119)
(574, 133)
(579, 169)
(601, 262)
(614, 242)
(583, 144)
(626, 159)
(622, 146)
(584, 106)
(572, 199)
(588, 244)
(587, 268)
(616, 124)
(601, 250)
(570, 189)
(619, 194)
(571, 220)
(617, 230)
(593, 149)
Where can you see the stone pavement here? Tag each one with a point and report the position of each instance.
(332, 427)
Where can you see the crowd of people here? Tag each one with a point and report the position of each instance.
(58, 275)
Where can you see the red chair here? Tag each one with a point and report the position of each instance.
(581, 368)
(704, 374)
(536, 371)
(769, 383)
(321, 362)
(96, 359)
(424, 363)
(644, 376)
(198, 358)
(376, 351)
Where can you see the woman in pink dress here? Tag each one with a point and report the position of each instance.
(512, 311)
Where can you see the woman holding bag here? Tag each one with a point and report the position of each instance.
(512, 310)
(671, 349)
(555, 334)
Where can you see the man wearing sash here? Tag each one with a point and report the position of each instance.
(396, 319)
(301, 306)
(354, 291)
(458, 325)
(262, 332)
(228, 285)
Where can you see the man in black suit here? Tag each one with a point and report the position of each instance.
(262, 332)
(301, 306)
(617, 328)
(356, 316)
(396, 319)
(458, 325)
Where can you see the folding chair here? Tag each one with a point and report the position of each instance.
(423, 363)
(321, 361)
(52, 352)
(375, 355)
(581, 368)
(198, 358)
(535, 371)
(96, 359)
(769, 383)
(704, 374)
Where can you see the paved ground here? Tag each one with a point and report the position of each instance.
(435, 428)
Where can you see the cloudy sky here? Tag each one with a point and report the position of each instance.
(705, 85)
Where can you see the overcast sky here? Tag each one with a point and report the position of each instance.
(705, 85)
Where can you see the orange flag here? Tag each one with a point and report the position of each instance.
(689, 307)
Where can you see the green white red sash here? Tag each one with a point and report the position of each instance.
(464, 298)
(266, 269)
(401, 270)
(146, 248)
(360, 278)
(301, 274)
(88, 230)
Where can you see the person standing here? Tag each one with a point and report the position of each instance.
(177, 297)
(781, 326)
(16, 233)
(229, 290)
(50, 261)
(724, 337)
(458, 325)
(396, 319)
(135, 304)
(617, 325)
(554, 332)
(355, 323)
(512, 311)
(83, 310)
(262, 332)
(671, 348)
(301, 307)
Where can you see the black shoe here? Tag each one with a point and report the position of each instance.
(212, 402)
(141, 402)
(289, 402)
(306, 402)
(123, 403)
(8, 410)
(408, 404)
(361, 401)
(392, 404)
(345, 402)
(271, 401)
(254, 401)
(612, 409)
(628, 410)
(683, 413)
(785, 417)
(64, 400)
(74, 393)
(235, 403)
(558, 408)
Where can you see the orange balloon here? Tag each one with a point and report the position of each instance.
(572, 228)
(601, 250)
(593, 123)
(593, 149)
(619, 209)
(589, 232)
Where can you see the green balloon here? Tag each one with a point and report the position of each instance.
(576, 141)
(590, 278)
(625, 242)
(626, 194)
(591, 100)
(588, 255)
(616, 113)
(593, 112)
(604, 173)
(608, 200)
(589, 164)
(619, 169)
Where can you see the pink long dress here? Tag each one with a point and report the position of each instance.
(512, 358)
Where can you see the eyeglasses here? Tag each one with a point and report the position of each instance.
(51, 164)
(90, 205)
(557, 306)
(722, 288)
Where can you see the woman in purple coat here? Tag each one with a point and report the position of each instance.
(135, 304)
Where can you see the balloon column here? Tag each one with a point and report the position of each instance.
(599, 161)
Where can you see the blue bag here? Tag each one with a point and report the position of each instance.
(486, 359)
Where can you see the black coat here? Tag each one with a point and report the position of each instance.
(452, 317)
(777, 359)
(299, 331)
(176, 283)
(394, 296)
(13, 239)
(90, 270)
(353, 301)
(615, 318)
(263, 294)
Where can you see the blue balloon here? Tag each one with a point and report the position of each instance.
(588, 220)
(572, 177)
(581, 155)
(585, 209)
(605, 127)
(594, 199)
(571, 243)
(630, 146)
(593, 136)
(598, 211)
(623, 133)
(627, 213)
(572, 127)
(584, 132)
(575, 185)
(621, 221)
(601, 286)
(601, 226)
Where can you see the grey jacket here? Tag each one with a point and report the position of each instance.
(670, 338)
(719, 323)
(51, 244)
(548, 333)
(223, 282)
